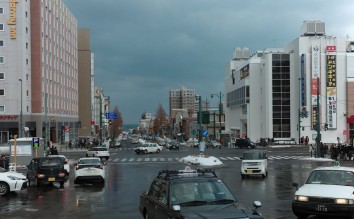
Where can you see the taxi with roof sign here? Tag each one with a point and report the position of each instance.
(328, 191)
(191, 193)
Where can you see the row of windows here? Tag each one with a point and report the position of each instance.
(2, 108)
(281, 95)
(238, 96)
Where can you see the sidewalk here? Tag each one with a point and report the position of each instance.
(65, 148)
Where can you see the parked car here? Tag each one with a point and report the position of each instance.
(213, 144)
(162, 142)
(328, 191)
(172, 145)
(65, 161)
(254, 162)
(193, 142)
(11, 182)
(192, 194)
(245, 143)
(101, 152)
(47, 169)
(148, 148)
(89, 169)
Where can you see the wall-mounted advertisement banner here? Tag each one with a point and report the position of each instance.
(315, 77)
(331, 92)
(331, 107)
(331, 71)
(244, 72)
(303, 81)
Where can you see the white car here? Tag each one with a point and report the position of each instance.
(65, 161)
(148, 148)
(12, 181)
(254, 162)
(89, 169)
(328, 191)
(101, 152)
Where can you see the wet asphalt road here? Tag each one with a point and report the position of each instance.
(127, 176)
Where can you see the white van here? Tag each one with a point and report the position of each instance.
(254, 162)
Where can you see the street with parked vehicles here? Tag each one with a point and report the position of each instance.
(115, 186)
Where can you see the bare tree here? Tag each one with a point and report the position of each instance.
(161, 121)
(117, 124)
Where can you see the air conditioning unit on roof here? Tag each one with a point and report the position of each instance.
(312, 28)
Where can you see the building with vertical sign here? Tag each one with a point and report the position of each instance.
(283, 89)
(39, 56)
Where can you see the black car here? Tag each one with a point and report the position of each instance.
(47, 169)
(192, 194)
(245, 143)
(172, 145)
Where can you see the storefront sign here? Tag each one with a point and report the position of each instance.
(8, 117)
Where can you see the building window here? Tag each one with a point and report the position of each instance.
(1, 10)
(281, 95)
(2, 92)
(27, 93)
(1, 27)
(1, 43)
(27, 109)
(2, 108)
(2, 59)
(2, 76)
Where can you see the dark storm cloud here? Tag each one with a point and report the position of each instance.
(144, 48)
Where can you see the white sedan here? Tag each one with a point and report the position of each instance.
(89, 169)
(101, 152)
(12, 181)
(148, 148)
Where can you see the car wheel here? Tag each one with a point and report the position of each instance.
(264, 175)
(158, 151)
(86, 155)
(61, 184)
(243, 176)
(145, 152)
(29, 181)
(146, 216)
(4, 189)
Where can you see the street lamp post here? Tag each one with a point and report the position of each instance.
(220, 95)
(21, 115)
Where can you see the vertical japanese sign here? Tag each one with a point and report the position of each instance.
(331, 88)
(303, 81)
(315, 73)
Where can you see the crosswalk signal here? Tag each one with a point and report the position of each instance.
(110, 122)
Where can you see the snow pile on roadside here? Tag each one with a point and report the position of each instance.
(201, 160)
(319, 159)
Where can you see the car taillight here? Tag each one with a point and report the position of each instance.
(66, 162)
(77, 167)
(61, 174)
(40, 175)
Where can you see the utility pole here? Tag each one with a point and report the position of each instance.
(200, 119)
(21, 115)
(101, 117)
(220, 95)
(318, 138)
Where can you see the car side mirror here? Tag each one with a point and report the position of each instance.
(296, 185)
(241, 158)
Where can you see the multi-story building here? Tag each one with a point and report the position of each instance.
(38, 70)
(183, 98)
(285, 93)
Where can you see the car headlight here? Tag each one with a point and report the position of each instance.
(15, 178)
(343, 201)
(301, 198)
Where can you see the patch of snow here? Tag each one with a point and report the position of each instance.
(202, 160)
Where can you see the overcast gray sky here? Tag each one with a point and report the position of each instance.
(145, 48)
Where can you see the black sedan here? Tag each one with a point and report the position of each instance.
(192, 194)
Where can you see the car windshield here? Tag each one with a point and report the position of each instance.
(100, 149)
(89, 161)
(253, 155)
(200, 193)
(47, 162)
(331, 177)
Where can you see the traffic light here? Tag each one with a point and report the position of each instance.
(110, 122)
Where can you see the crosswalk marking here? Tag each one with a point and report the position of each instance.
(177, 159)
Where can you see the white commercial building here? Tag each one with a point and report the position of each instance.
(273, 93)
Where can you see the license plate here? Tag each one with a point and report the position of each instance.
(249, 171)
(51, 179)
(321, 208)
